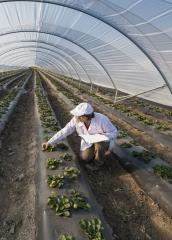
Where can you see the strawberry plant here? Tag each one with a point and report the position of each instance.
(53, 163)
(71, 172)
(134, 142)
(163, 126)
(125, 145)
(78, 201)
(65, 237)
(163, 171)
(63, 206)
(51, 148)
(55, 181)
(168, 113)
(93, 228)
(66, 157)
(122, 134)
(146, 156)
(51, 203)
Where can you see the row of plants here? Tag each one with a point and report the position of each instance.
(47, 118)
(135, 101)
(141, 117)
(143, 155)
(141, 103)
(132, 101)
(65, 205)
(9, 97)
(14, 82)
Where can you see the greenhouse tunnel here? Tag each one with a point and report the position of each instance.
(112, 49)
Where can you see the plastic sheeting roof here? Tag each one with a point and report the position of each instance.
(121, 44)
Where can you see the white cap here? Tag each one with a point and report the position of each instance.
(82, 109)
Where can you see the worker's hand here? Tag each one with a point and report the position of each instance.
(45, 146)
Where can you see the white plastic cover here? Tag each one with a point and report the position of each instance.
(117, 44)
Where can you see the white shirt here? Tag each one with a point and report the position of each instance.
(99, 124)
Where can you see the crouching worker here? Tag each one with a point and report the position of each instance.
(96, 131)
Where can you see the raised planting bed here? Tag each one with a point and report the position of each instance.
(70, 203)
(15, 81)
(9, 102)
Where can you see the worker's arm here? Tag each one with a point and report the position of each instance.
(62, 134)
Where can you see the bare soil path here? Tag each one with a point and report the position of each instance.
(17, 171)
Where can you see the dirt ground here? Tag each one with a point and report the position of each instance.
(129, 211)
(17, 172)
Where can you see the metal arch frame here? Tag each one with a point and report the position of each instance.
(69, 63)
(46, 49)
(139, 46)
(73, 59)
(28, 46)
(64, 53)
(70, 41)
(55, 57)
(12, 57)
(109, 24)
(56, 60)
(50, 63)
